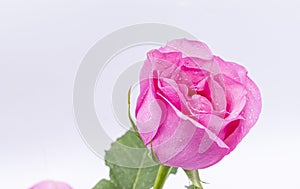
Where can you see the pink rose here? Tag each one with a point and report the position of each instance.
(193, 107)
(49, 184)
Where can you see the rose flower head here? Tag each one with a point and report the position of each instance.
(193, 107)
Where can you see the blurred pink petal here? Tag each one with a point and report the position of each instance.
(49, 184)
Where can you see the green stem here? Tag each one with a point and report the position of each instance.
(194, 177)
(161, 176)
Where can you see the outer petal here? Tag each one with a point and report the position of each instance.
(189, 48)
(163, 64)
(191, 158)
(232, 70)
(250, 113)
(178, 142)
(149, 112)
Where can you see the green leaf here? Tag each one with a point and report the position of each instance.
(122, 177)
(127, 152)
(105, 184)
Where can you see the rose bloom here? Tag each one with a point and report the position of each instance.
(193, 107)
(49, 184)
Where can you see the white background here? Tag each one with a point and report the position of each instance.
(43, 42)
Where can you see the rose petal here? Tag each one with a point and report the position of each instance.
(190, 157)
(232, 70)
(217, 96)
(161, 61)
(250, 113)
(172, 136)
(148, 112)
(199, 104)
(235, 95)
(180, 135)
(189, 48)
